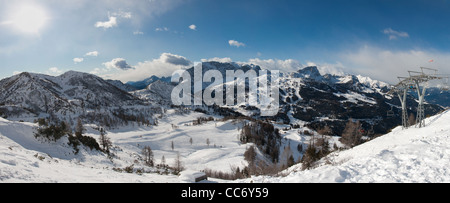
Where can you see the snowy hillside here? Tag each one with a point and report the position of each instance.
(215, 146)
(412, 155)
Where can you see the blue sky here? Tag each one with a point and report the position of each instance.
(132, 40)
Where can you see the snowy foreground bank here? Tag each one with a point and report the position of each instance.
(412, 155)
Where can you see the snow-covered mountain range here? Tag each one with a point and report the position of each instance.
(68, 93)
(206, 137)
(306, 97)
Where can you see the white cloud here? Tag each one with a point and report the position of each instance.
(236, 43)
(393, 34)
(7, 22)
(159, 29)
(333, 69)
(217, 59)
(309, 63)
(54, 71)
(78, 60)
(118, 63)
(121, 14)
(288, 65)
(92, 53)
(386, 65)
(165, 65)
(113, 19)
(98, 71)
(138, 33)
(193, 27)
(175, 59)
(112, 22)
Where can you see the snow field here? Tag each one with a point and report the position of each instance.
(223, 151)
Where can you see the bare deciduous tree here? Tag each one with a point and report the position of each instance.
(250, 155)
(178, 165)
(79, 129)
(352, 134)
(105, 142)
(147, 154)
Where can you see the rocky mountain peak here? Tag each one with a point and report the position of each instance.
(309, 73)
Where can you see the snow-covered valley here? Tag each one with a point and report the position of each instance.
(411, 155)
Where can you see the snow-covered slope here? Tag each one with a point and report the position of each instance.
(23, 158)
(412, 155)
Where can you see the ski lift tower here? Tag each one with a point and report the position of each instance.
(420, 80)
(401, 90)
(417, 81)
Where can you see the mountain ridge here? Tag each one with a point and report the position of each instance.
(68, 93)
(306, 97)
